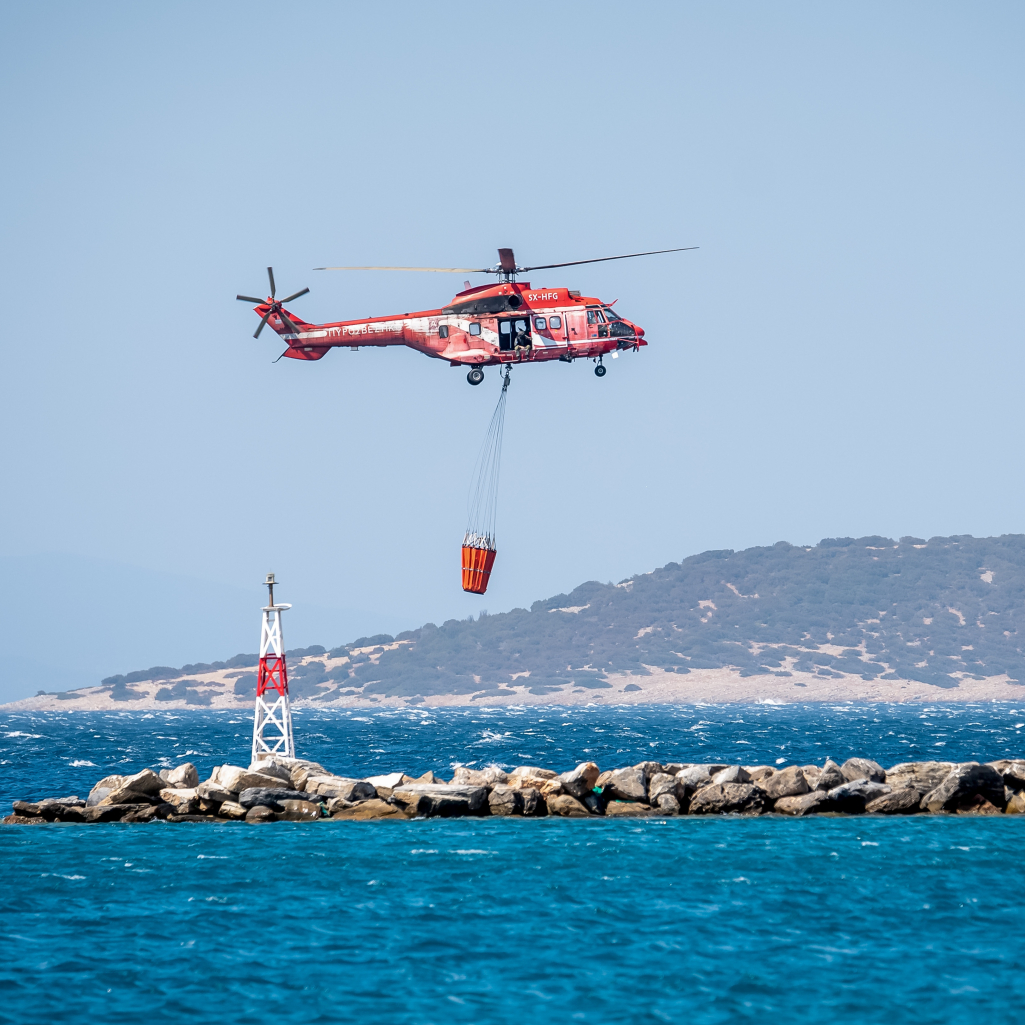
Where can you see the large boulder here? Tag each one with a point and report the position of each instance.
(668, 804)
(533, 802)
(759, 772)
(214, 793)
(803, 804)
(662, 784)
(271, 797)
(920, 776)
(269, 767)
(732, 774)
(235, 779)
(371, 810)
(184, 800)
(388, 781)
(442, 800)
(232, 810)
(789, 782)
(1016, 805)
(629, 810)
(897, 802)
(298, 811)
(693, 778)
(183, 777)
(863, 768)
(102, 788)
(142, 784)
(505, 800)
(581, 780)
(260, 813)
(479, 777)
(1013, 771)
(567, 806)
(532, 770)
(962, 785)
(851, 797)
(830, 776)
(107, 812)
(628, 784)
(142, 813)
(340, 786)
(721, 798)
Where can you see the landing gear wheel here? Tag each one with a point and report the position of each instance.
(475, 376)
(600, 371)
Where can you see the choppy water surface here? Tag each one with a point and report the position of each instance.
(697, 920)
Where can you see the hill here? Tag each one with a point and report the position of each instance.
(868, 611)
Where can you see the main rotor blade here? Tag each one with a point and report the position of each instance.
(602, 259)
(266, 317)
(250, 299)
(506, 260)
(273, 287)
(439, 270)
(296, 296)
(288, 323)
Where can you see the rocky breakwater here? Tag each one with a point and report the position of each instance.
(297, 790)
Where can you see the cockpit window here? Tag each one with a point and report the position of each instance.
(595, 317)
(610, 315)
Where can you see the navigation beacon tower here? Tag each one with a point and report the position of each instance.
(272, 724)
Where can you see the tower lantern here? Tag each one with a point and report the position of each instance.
(272, 723)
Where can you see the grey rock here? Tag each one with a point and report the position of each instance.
(1013, 772)
(182, 777)
(662, 783)
(107, 812)
(142, 813)
(533, 803)
(851, 797)
(863, 768)
(146, 783)
(759, 772)
(649, 768)
(235, 779)
(505, 800)
(732, 774)
(668, 804)
(594, 803)
(340, 786)
(486, 777)
(27, 809)
(581, 780)
(790, 782)
(720, 798)
(442, 800)
(897, 802)
(185, 801)
(628, 785)
(922, 776)
(830, 776)
(96, 795)
(962, 785)
(693, 778)
(270, 797)
(803, 804)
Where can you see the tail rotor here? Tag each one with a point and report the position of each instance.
(275, 306)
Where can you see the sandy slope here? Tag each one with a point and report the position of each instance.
(698, 686)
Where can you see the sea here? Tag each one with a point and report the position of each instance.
(691, 920)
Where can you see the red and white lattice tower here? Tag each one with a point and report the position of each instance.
(272, 723)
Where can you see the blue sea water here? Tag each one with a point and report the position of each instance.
(496, 920)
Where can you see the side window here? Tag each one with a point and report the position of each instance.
(443, 330)
(592, 317)
(474, 328)
(556, 323)
(540, 323)
(504, 327)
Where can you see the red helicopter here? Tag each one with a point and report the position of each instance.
(506, 322)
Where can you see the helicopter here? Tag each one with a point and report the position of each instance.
(506, 322)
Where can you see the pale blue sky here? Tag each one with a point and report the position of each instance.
(841, 356)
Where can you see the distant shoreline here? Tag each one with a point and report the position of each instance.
(699, 686)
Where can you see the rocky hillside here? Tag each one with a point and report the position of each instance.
(937, 612)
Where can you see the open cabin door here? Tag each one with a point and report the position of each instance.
(514, 333)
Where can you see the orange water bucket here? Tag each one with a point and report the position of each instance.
(477, 563)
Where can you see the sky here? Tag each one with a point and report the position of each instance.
(841, 356)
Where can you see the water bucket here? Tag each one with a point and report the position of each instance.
(477, 563)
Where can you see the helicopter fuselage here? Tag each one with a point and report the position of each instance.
(509, 322)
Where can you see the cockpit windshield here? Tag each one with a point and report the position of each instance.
(609, 315)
